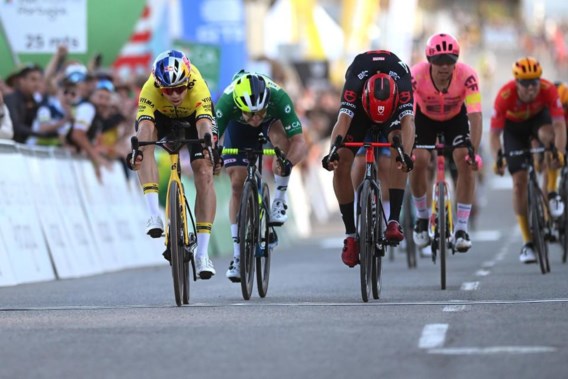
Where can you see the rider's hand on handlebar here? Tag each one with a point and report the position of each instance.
(406, 164)
(217, 160)
(136, 163)
(330, 162)
(476, 164)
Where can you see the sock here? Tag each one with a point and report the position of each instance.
(551, 182)
(463, 216)
(152, 198)
(236, 245)
(281, 183)
(203, 236)
(348, 216)
(524, 226)
(421, 205)
(396, 196)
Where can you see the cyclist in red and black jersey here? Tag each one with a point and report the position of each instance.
(528, 109)
(377, 91)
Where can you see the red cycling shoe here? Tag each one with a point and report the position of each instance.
(394, 231)
(350, 253)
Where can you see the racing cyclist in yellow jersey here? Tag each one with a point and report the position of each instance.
(176, 91)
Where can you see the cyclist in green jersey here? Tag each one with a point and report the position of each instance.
(253, 103)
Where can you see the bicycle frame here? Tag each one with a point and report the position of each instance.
(441, 182)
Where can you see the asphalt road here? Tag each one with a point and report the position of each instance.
(498, 318)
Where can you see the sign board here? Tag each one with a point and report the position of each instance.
(40, 26)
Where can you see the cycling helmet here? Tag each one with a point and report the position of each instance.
(171, 69)
(251, 93)
(380, 97)
(442, 44)
(562, 92)
(527, 68)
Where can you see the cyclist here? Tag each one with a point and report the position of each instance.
(377, 91)
(176, 91)
(527, 109)
(448, 101)
(250, 104)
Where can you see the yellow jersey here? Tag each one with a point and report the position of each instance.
(197, 101)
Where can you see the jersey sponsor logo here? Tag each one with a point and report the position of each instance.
(378, 58)
(288, 128)
(141, 108)
(229, 160)
(348, 112)
(404, 66)
(143, 100)
(405, 97)
(218, 113)
(350, 96)
(288, 109)
(506, 94)
(295, 125)
(471, 83)
(363, 74)
(394, 75)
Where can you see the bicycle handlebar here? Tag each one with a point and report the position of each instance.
(235, 151)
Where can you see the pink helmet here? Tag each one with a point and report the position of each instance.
(442, 44)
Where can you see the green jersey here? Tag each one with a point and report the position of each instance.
(280, 107)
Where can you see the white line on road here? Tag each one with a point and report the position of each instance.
(493, 350)
(433, 335)
(469, 286)
(482, 272)
(485, 235)
(454, 308)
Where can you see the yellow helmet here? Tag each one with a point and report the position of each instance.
(527, 68)
(563, 92)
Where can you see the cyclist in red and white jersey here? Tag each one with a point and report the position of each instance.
(448, 101)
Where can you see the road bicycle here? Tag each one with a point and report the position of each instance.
(441, 223)
(407, 221)
(562, 223)
(180, 243)
(371, 219)
(256, 233)
(540, 222)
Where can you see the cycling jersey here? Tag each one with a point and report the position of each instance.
(280, 107)
(196, 103)
(444, 105)
(508, 106)
(368, 64)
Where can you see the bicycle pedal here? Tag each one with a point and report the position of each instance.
(275, 223)
(235, 280)
(156, 233)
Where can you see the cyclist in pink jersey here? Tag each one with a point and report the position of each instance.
(448, 101)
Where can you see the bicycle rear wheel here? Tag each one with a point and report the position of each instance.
(248, 237)
(180, 271)
(368, 211)
(537, 226)
(263, 261)
(379, 252)
(408, 227)
(442, 227)
(563, 224)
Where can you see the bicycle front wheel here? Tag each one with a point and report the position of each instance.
(442, 226)
(248, 237)
(263, 258)
(408, 227)
(180, 272)
(378, 252)
(563, 224)
(537, 224)
(367, 238)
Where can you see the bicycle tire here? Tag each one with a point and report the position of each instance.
(378, 252)
(248, 237)
(563, 225)
(442, 226)
(366, 237)
(537, 223)
(263, 262)
(175, 240)
(408, 227)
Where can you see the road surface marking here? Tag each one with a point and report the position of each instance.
(469, 286)
(454, 308)
(433, 335)
(493, 350)
(482, 272)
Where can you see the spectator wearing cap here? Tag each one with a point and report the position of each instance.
(84, 113)
(22, 103)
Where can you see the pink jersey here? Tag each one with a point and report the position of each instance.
(440, 106)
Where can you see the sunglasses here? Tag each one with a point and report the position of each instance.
(528, 82)
(249, 115)
(69, 92)
(171, 90)
(443, 59)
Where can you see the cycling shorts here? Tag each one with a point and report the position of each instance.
(381, 151)
(455, 130)
(240, 135)
(518, 136)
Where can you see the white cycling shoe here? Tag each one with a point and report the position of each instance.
(204, 268)
(278, 214)
(234, 271)
(555, 205)
(155, 227)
